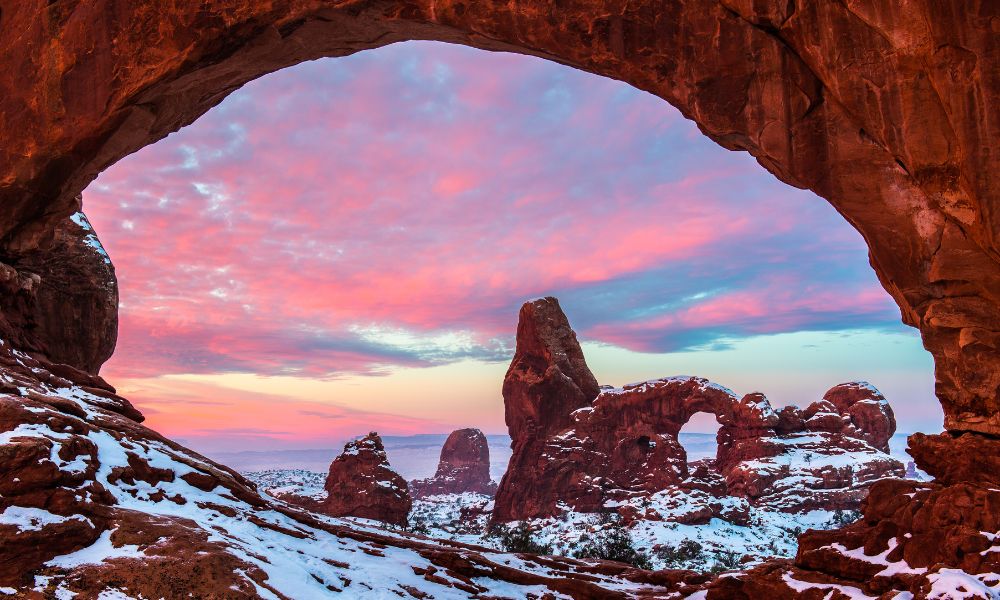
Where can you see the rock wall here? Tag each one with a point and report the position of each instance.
(592, 456)
(61, 303)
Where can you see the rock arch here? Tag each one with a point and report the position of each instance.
(885, 110)
(574, 447)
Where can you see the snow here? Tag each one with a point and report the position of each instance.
(34, 519)
(953, 584)
(90, 238)
(114, 595)
(98, 552)
(891, 568)
(801, 586)
(281, 482)
(642, 386)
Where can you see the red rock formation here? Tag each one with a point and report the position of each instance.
(869, 411)
(547, 380)
(61, 304)
(464, 467)
(361, 484)
(625, 443)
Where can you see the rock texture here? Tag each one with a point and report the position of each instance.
(61, 304)
(464, 467)
(361, 484)
(588, 456)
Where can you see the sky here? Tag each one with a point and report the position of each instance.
(343, 246)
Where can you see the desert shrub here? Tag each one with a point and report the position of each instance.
(726, 560)
(614, 543)
(519, 538)
(419, 525)
(682, 554)
(608, 518)
(844, 517)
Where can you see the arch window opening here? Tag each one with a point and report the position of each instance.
(343, 245)
(699, 437)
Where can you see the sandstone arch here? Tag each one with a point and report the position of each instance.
(595, 451)
(886, 110)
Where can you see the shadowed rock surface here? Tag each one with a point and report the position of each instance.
(464, 467)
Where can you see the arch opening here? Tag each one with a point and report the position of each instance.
(50, 166)
(699, 438)
(447, 81)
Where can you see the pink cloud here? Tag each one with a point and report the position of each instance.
(433, 191)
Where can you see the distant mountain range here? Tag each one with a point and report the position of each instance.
(416, 456)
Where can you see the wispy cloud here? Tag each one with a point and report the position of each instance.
(395, 208)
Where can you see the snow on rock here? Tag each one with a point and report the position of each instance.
(32, 519)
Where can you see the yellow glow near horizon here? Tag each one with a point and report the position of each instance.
(794, 368)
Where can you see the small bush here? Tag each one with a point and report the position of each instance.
(683, 554)
(844, 517)
(615, 544)
(726, 560)
(519, 538)
(419, 525)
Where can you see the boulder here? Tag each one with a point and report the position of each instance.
(361, 484)
(464, 467)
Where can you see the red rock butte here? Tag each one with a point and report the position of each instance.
(464, 466)
(886, 109)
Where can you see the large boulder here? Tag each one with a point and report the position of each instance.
(361, 484)
(464, 467)
(868, 409)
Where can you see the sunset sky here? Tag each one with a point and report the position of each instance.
(344, 245)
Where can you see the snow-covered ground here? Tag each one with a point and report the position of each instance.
(667, 543)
